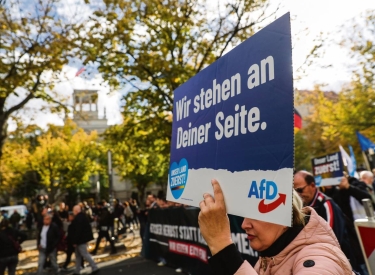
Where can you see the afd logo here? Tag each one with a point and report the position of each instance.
(267, 190)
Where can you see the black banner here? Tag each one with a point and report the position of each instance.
(173, 235)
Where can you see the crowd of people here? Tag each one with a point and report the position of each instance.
(323, 230)
(59, 229)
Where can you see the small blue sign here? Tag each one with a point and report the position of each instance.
(328, 169)
(178, 175)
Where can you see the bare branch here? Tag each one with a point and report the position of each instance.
(26, 99)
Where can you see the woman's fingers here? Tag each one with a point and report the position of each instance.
(213, 220)
(218, 193)
(208, 199)
(217, 200)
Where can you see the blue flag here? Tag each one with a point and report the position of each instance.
(354, 162)
(365, 142)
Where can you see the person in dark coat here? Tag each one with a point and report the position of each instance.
(70, 247)
(82, 234)
(58, 222)
(117, 215)
(40, 218)
(56, 219)
(104, 222)
(349, 187)
(10, 240)
(134, 207)
(62, 212)
(15, 219)
(118, 210)
(48, 238)
(29, 219)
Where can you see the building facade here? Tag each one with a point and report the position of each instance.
(86, 116)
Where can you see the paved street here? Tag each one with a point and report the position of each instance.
(29, 257)
(137, 266)
(125, 262)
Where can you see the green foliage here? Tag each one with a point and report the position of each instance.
(140, 153)
(153, 47)
(302, 156)
(316, 125)
(63, 159)
(359, 37)
(335, 118)
(35, 45)
(29, 186)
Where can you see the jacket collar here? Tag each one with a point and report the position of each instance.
(316, 230)
(282, 242)
(312, 203)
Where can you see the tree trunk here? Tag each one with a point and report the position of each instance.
(53, 192)
(3, 133)
(141, 188)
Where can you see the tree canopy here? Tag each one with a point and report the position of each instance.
(140, 154)
(35, 45)
(153, 47)
(57, 160)
(334, 118)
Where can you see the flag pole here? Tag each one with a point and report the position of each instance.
(366, 161)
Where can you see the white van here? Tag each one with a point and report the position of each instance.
(21, 209)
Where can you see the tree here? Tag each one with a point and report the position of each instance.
(359, 39)
(302, 155)
(58, 160)
(13, 165)
(15, 177)
(35, 45)
(29, 186)
(140, 154)
(153, 47)
(65, 163)
(335, 117)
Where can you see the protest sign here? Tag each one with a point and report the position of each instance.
(174, 235)
(365, 228)
(328, 170)
(233, 121)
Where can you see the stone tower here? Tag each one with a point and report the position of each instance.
(86, 113)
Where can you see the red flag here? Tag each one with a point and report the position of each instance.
(297, 121)
(80, 71)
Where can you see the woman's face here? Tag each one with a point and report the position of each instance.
(262, 234)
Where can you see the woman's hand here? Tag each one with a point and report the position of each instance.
(344, 184)
(213, 220)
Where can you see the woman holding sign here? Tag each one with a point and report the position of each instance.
(309, 247)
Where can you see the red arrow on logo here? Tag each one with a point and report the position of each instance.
(265, 208)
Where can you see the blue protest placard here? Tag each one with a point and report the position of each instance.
(233, 121)
(328, 170)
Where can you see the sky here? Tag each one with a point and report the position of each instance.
(317, 15)
(323, 16)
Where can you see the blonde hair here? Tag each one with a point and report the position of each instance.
(298, 215)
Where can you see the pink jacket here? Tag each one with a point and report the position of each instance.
(315, 242)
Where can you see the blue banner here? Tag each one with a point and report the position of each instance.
(328, 170)
(234, 121)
